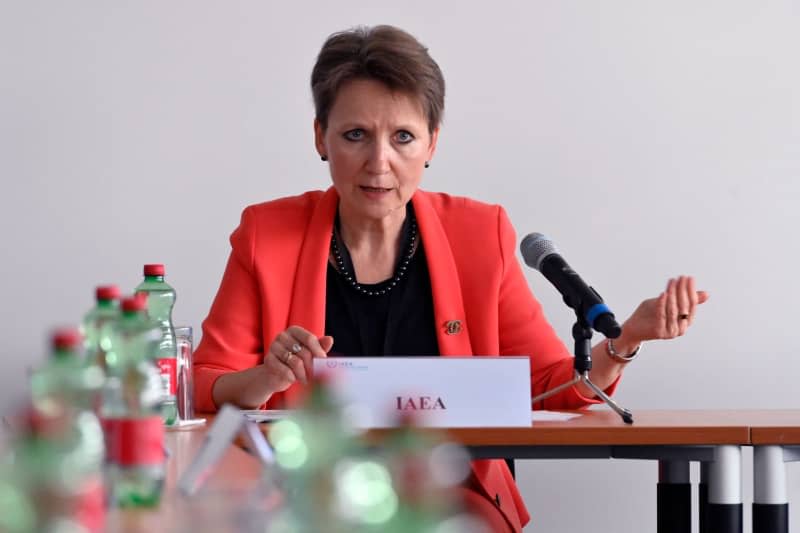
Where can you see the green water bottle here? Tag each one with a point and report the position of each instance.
(310, 448)
(132, 409)
(17, 508)
(105, 310)
(63, 394)
(160, 301)
(65, 378)
(38, 454)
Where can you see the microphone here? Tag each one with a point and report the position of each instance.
(540, 253)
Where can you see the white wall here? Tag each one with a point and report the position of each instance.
(647, 138)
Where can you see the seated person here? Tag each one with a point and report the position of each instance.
(376, 266)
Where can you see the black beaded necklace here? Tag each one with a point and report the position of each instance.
(400, 271)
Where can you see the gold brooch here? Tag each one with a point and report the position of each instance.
(452, 327)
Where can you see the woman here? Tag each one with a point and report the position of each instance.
(376, 266)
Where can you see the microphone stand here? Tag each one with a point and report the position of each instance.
(582, 334)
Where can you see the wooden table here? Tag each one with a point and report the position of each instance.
(673, 438)
(602, 427)
(211, 510)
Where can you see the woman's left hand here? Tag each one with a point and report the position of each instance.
(666, 316)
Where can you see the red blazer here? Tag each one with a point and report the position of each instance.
(276, 273)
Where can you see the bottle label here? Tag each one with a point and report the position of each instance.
(135, 441)
(167, 368)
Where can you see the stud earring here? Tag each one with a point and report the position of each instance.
(427, 164)
(323, 157)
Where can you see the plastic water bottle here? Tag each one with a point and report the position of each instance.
(311, 449)
(63, 392)
(64, 379)
(160, 301)
(17, 508)
(132, 409)
(42, 474)
(105, 310)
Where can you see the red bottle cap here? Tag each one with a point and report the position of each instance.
(134, 303)
(154, 270)
(65, 338)
(107, 292)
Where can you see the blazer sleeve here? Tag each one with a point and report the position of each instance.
(232, 331)
(525, 330)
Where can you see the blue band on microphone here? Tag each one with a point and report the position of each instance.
(596, 311)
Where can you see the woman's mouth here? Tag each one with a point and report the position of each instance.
(375, 189)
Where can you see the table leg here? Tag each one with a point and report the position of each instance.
(702, 496)
(725, 490)
(674, 497)
(770, 504)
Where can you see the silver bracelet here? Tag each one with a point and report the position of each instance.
(616, 356)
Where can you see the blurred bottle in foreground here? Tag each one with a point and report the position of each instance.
(65, 380)
(132, 409)
(428, 474)
(405, 480)
(105, 310)
(17, 511)
(160, 301)
(41, 468)
(308, 446)
(63, 442)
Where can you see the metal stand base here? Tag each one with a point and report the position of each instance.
(583, 377)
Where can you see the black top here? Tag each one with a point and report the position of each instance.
(400, 322)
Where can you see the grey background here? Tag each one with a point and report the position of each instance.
(647, 138)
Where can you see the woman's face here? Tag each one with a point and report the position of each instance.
(377, 143)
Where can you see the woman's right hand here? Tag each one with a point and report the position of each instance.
(290, 357)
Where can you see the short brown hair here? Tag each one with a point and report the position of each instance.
(381, 53)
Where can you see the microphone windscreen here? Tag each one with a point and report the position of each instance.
(534, 248)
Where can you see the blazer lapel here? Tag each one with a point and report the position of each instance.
(448, 306)
(307, 308)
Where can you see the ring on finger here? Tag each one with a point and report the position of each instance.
(683, 316)
(287, 358)
(296, 348)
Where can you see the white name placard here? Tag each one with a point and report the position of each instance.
(437, 391)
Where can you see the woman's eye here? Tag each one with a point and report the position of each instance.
(404, 136)
(354, 135)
